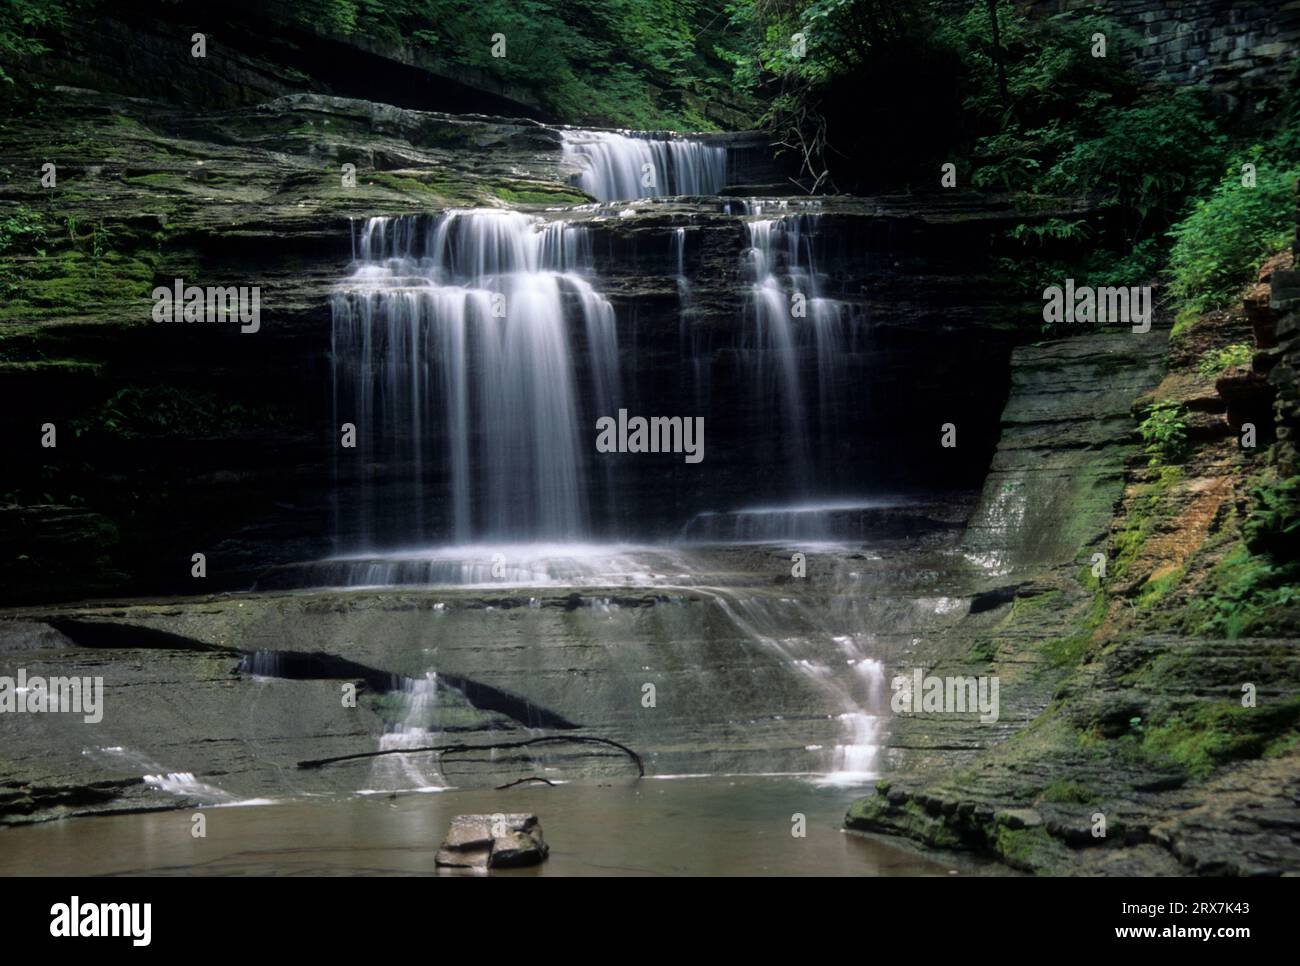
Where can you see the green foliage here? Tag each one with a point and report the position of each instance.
(1222, 243)
(21, 231)
(1247, 594)
(23, 21)
(1082, 126)
(1164, 433)
(1050, 71)
(1036, 268)
(165, 411)
(1217, 360)
(1142, 158)
(1074, 123)
(335, 16)
(1272, 524)
(639, 63)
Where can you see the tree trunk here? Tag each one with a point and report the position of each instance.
(998, 64)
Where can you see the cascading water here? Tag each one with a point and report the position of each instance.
(466, 319)
(785, 291)
(472, 351)
(860, 695)
(413, 729)
(179, 783)
(622, 167)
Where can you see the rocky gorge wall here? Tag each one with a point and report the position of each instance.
(1122, 688)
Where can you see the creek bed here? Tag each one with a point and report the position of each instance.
(683, 826)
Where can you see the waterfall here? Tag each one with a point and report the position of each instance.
(155, 775)
(459, 328)
(792, 320)
(621, 167)
(679, 256)
(413, 729)
(862, 695)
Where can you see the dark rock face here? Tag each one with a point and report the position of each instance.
(1066, 433)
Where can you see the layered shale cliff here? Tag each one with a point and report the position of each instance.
(1144, 624)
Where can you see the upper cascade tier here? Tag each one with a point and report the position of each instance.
(623, 167)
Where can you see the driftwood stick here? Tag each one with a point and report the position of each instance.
(458, 748)
(524, 781)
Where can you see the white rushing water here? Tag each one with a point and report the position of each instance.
(413, 729)
(472, 348)
(860, 694)
(622, 166)
(514, 565)
(822, 522)
(793, 321)
(432, 300)
(180, 783)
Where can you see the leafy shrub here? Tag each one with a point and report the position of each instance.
(22, 22)
(21, 231)
(1143, 159)
(1229, 234)
(1217, 360)
(1164, 433)
(1272, 524)
(1248, 594)
(166, 411)
(1076, 125)
(1051, 76)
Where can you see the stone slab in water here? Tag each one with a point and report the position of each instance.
(492, 841)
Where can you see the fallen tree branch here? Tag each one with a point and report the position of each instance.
(458, 748)
(522, 781)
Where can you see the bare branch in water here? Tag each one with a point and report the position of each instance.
(458, 748)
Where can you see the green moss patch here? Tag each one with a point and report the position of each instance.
(539, 195)
(1207, 735)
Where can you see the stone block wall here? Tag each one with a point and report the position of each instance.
(1241, 50)
(1284, 374)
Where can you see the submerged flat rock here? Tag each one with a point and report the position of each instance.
(493, 841)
